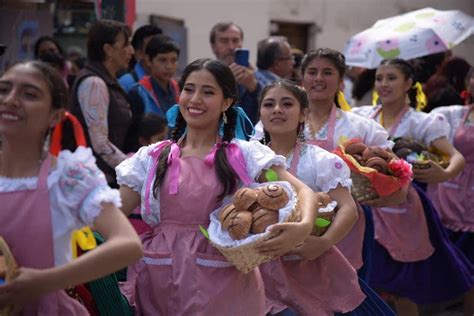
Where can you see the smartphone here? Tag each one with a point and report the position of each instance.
(241, 57)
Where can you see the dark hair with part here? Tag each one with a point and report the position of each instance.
(161, 44)
(44, 39)
(222, 27)
(297, 91)
(224, 77)
(408, 73)
(104, 32)
(143, 32)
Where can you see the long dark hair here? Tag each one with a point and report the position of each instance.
(333, 56)
(224, 77)
(298, 92)
(408, 73)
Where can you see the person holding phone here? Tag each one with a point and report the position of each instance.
(274, 60)
(226, 39)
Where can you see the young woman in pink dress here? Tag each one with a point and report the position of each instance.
(315, 279)
(179, 183)
(416, 266)
(44, 199)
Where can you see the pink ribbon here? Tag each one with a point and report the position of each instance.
(173, 167)
(235, 158)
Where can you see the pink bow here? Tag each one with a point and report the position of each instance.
(235, 158)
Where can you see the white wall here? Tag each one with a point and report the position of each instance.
(338, 19)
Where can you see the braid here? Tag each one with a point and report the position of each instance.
(163, 159)
(412, 96)
(225, 173)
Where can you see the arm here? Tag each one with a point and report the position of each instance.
(435, 173)
(294, 233)
(345, 218)
(130, 199)
(122, 248)
(94, 101)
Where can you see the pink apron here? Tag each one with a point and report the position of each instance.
(454, 199)
(181, 273)
(351, 245)
(33, 247)
(322, 286)
(394, 226)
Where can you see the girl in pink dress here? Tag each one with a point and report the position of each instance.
(405, 259)
(44, 199)
(315, 279)
(179, 183)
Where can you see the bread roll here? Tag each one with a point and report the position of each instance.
(239, 224)
(244, 198)
(378, 164)
(225, 212)
(272, 197)
(355, 148)
(262, 218)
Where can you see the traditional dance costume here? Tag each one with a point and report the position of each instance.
(454, 199)
(181, 273)
(422, 264)
(39, 214)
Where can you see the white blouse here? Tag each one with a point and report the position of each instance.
(454, 115)
(321, 170)
(76, 190)
(133, 171)
(424, 127)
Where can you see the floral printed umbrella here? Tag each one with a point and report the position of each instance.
(411, 35)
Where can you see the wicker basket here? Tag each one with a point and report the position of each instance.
(245, 257)
(362, 189)
(11, 270)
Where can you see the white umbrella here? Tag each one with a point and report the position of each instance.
(411, 35)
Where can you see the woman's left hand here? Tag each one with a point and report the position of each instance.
(396, 198)
(434, 174)
(291, 235)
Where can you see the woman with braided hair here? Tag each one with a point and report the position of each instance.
(178, 183)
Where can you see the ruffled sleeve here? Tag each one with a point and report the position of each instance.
(132, 172)
(259, 157)
(431, 127)
(328, 170)
(453, 114)
(78, 187)
(371, 132)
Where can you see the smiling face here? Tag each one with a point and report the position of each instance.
(391, 84)
(321, 80)
(280, 112)
(26, 103)
(202, 102)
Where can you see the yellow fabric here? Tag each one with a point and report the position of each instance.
(375, 97)
(83, 238)
(421, 100)
(343, 102)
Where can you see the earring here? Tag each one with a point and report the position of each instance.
(301, 137)
(46, 145)
(224, 117)
(407, 99)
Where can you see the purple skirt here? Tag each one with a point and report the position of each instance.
(464, 241)
(445, 275)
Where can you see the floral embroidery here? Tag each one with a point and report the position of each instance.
(338, 165)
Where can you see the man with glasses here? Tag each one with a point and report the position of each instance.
(225, 38)
(274, 60)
